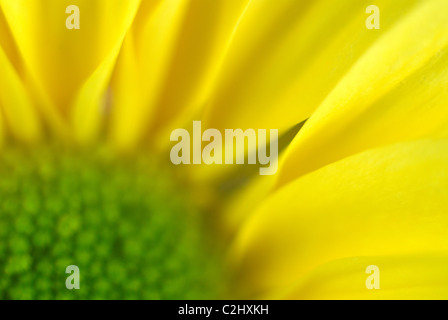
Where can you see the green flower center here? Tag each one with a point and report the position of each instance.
(131, 231)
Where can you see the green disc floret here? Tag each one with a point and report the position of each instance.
(129, 228)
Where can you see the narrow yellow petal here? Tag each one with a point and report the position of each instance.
(127, 95)
(8, 44)
(155, 42)
(18, 109)
(90, 105)
(202, 45)
(168, 66)
(386, 201)
(395, 92)
(400, 277)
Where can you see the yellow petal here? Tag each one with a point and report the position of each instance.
(19, 112)
(155, 42)
(8, 44)
(127, 95)
(395, 92)
(287, 55)
(168, 67)
(202, 45)
(91, 103)
(386, 201)
(400, 277)
(61, 62)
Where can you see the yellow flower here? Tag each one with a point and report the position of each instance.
(361, 112)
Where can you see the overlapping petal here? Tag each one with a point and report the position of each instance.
(168, 65)
(142, 66)
(396, 91)
(287, 55)
(70, 69)
(16, 104)
(387, 201)
(8, 44)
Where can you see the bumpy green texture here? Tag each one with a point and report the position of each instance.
(126, 226)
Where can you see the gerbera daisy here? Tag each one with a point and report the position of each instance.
(85, 123)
